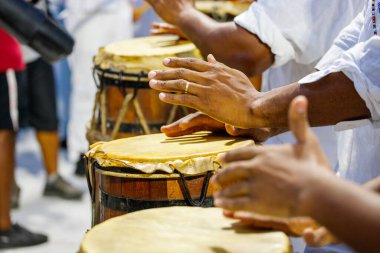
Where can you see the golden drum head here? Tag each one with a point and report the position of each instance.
(143, 54)
(222, 8)
(190, 155)
(180, 229)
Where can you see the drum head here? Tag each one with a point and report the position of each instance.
(180, 229)
(143, 54)
(160, 148)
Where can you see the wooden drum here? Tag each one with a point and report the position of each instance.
(125, 105)
(222, 11)
(181, 229)
(150, 171)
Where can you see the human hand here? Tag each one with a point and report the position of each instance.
(192, 123)
(211, 87)
(198, 121)
(274, 180)
(164, 28)
(172, 10)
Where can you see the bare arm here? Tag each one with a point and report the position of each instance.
(227, 95)
(332, 99)
(230, 43)
(347, 210)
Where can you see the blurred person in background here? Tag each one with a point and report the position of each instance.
(93, 24)
(11, 64)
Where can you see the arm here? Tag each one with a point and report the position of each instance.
(231, 44)
(295, 180)
(355, 219)
(221, 92)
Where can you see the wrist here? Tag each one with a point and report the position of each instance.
(256, 117)
(185, 16)
(312, 192)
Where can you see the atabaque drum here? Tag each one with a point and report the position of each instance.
(222, 11)
(181, 229)
(125, 105)
(151, 171)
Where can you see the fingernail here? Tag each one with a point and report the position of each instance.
(223, 157)
(162, 95)
(152, 74)
(300, 108)
(153, 82)
(166, 61)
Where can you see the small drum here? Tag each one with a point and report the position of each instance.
(181, 229)
(125, 105)
(222, 11)
(150, 171)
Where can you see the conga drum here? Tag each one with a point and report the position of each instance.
(151, 171)
(125, 105)
(222, 11)
(181, 229)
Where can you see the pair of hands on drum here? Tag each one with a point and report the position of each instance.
(276, 180)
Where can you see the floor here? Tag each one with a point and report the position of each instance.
(65, 222)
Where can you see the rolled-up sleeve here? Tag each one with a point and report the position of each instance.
(256, 21)
(361, 64)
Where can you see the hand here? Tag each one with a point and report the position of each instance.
(163, 28)
(198, 121)
(172, 10)
(274, 180)
(223, 93)
(192, 123)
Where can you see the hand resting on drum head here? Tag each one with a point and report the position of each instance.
(164, 28)
(199, 121)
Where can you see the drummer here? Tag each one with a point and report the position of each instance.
(343, 92)
(296, 180)
(260, 40)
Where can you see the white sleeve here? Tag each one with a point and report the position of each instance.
(346, 39)
(256, 21)
(361, 63)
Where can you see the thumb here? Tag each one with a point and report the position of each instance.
(297, 117)
(211, 59)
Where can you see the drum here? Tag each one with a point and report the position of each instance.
(150, 171)
(222, 11)
(181, 229)
(125, 105)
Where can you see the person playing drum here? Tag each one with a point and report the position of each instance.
(260, 40)
(343, 92)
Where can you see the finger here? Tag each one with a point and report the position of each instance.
(176, 86)
(298, 122)
(319, 237)
(235, 172)
(179, 99)
(235, 190)
(228, 214)
(211, 59)
(176, 74)
(234, 204)
(188, 63)
(245, 153)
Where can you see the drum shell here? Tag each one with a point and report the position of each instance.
(117, 193)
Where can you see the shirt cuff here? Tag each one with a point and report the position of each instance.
(257, 22)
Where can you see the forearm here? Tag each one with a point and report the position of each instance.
(332, 99)
(349, 211)
(373, 185)
(229, 43)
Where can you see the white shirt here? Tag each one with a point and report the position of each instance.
(356, 52)
(299, 33)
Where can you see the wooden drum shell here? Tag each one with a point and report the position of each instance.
(116, 193)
